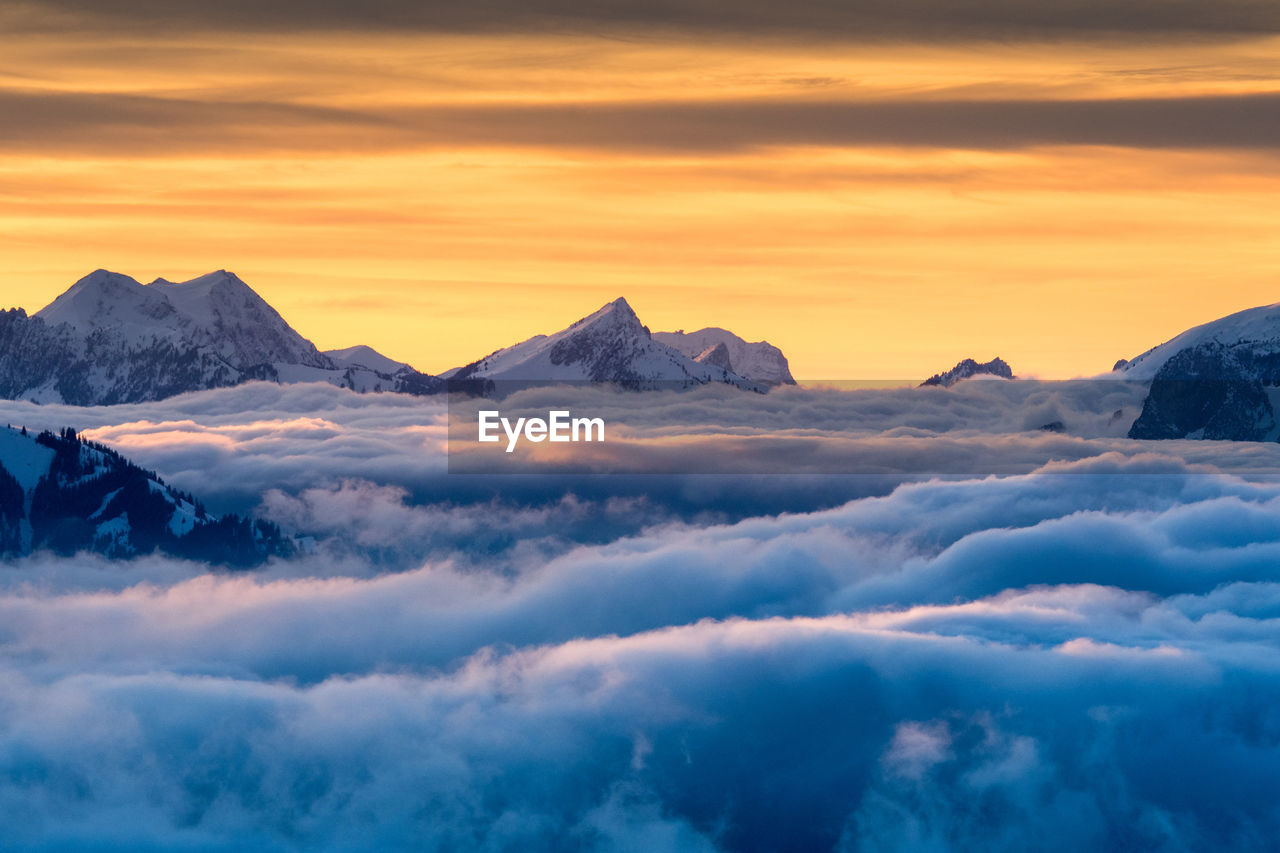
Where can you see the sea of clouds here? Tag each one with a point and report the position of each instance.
(977, 635)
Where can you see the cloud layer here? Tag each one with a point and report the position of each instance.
(1082, 654)
(133, 125)
(859, 21)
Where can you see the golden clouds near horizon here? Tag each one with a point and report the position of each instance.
(438, 198)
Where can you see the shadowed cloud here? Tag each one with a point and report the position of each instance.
(137, 125)
(860, 20)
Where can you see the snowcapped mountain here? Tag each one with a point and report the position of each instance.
(217, 313)
(60, 493)
(611, 345)
(1252, 336)
(365, 357)
(760, 360)
(110, 339)
(997, 368)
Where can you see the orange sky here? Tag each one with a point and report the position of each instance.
(439, 196)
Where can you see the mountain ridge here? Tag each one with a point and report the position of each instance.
(609, 345)
(110, 339)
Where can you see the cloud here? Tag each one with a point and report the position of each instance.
(1082, 653)
(120, 124)
(925, 20)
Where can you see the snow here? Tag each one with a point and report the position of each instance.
(217, 311)
(757, 360)
(114, 531)
(1252, 326)
(105, 299)
(365, 356)
(24, 458)
(611, 340)
(183, 519)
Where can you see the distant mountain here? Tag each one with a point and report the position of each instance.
(63, 494)
(110, 339)
(611, 345)
(367, 358)
(759, 361)
(217, 314)
(967, 369)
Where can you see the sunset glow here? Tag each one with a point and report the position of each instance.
(876, 208)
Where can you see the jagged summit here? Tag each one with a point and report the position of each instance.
(617, 313)
(997, 368)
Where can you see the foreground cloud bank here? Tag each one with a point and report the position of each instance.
(1083, 655)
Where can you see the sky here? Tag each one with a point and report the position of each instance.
(878, 191)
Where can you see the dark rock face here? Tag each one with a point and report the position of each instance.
(717, 355)
(1206, 392)
(968, 368)
(1119, 364)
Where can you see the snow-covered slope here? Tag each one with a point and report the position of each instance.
(611, 345)
(1252, 335)
(226, 315)
(60, 493)
(759, 360)
(366, 357)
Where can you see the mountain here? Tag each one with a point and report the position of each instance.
(63, 494)
(611, 345)
(1213, 381)
(717, 355)
(967, 369)
(365, 357)
(216, 313)
(759, 361)
(1205, 391)
(110, 339)
(1252, 336)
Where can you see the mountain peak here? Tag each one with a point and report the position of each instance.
(997, 368)
(105, 298)
(100, 279)
(216, 312)
(618, 311)
(609, 345)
